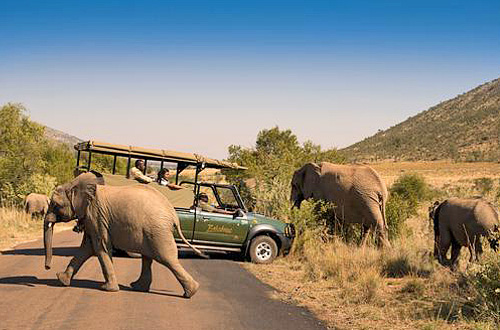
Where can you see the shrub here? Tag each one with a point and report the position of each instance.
(413, 189)
(483, 185)
(485, 279)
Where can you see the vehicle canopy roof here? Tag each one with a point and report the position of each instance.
(154, 154)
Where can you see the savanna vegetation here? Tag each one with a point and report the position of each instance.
(353, 287)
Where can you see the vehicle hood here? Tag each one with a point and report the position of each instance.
(257, 219)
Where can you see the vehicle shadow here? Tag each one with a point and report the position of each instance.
(33, 281)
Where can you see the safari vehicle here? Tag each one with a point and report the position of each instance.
(254, 236)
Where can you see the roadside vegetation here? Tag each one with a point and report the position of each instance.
(352, 287)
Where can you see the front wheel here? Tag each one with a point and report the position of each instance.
(263, 250)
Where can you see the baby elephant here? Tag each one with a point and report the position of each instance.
(36, 204)
(461, 222)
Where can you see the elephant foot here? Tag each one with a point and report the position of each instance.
(191, 290)
(139, 286)
(110, 287)
(64, 278)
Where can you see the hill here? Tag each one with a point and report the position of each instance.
(465, 128)
(55, 135)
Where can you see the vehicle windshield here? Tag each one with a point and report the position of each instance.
(227, 198)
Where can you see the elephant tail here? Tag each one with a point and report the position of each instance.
(381, 202)
(181, 235)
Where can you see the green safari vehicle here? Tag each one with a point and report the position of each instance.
(254, 236)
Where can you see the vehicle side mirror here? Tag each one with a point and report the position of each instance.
(238, 214)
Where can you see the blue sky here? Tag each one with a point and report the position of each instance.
(200, 75)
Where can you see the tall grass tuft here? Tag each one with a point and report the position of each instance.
(16, 225)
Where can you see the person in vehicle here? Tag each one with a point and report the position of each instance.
(136, 172)
(162, 179)
(205, 206)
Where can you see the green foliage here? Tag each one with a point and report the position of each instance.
(412, 188)
(265, 186)
(485, 279)
(28, 161)
(406, 194)
(483, 185)
(397, 210)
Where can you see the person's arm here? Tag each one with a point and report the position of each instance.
(174, 186)
(139, 176)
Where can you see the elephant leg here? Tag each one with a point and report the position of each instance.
(436, 247)
(102, 248)
(168, 256)
(365, 234)
(455, 253)
(84, 253)
(444, 246)
(382, 235)
(479, 248)
(143, 283)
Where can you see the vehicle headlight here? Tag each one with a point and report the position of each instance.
(290, 230)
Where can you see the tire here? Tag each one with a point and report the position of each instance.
(263, 250)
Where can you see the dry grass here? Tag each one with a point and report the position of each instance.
(351, 287)
(16, 227)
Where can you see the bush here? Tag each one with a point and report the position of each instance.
(485, 279)
(483, 185)
(413, 189)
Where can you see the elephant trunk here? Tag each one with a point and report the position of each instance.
(48, 233)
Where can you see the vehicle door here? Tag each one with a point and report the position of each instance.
(186, 219)
(216, 228)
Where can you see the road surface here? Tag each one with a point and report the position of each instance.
(229, 296)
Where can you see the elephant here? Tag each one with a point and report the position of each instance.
(357, 191)
(461, 222)
(131, 218)
(36, 204)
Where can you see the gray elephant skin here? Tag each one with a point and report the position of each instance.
(132, 218)
(36, 204)
(357, 191)
(461, 222)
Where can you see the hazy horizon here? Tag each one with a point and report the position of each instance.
(197, 76)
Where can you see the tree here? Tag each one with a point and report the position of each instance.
(28, 161)
(271, 164)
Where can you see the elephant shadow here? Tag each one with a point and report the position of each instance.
(33, 281)
(61, 251)
(73, 250)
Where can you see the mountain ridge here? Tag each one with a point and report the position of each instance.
(464, 128)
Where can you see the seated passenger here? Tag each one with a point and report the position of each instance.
(136, 172)
(205, 206)
(162, 179)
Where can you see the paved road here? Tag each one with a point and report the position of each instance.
(229, 296)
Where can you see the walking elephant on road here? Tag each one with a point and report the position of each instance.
(37, 204)
(132, 218)
(358, 192)
(461, 222)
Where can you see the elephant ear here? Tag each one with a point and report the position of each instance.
(80, 196)
(310, 180)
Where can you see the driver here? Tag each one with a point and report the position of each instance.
(205, 206)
